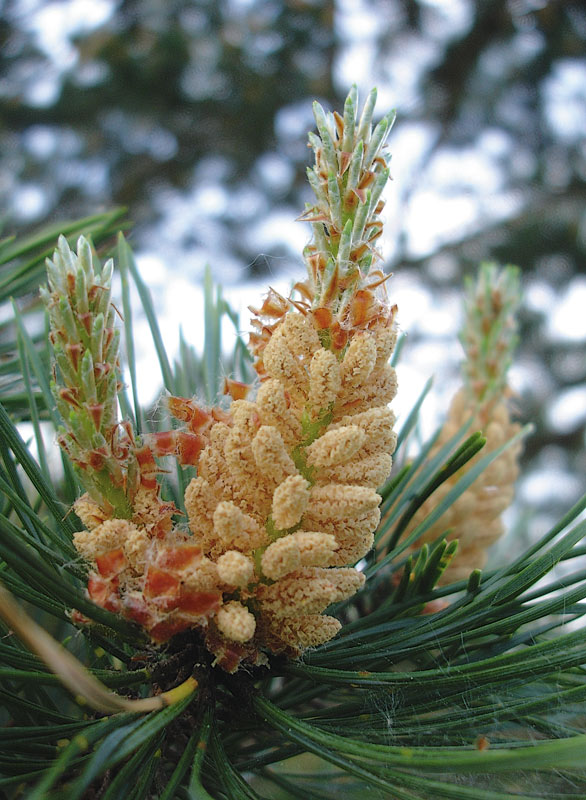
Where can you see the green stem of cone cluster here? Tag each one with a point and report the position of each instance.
(86, 375)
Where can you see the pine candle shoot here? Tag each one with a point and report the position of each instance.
(285, 498)
(489, 337)
(86, 376)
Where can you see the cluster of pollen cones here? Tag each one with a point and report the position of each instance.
(285, 501)
(285, 498)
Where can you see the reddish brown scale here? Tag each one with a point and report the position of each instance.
(117, 310)
(379, 315)
(314, 263)
(186, 446)
(74, 354)
(192, 607)
(96, 411)
(357, 254)
(162, 443)
(304, 290)
(361, 307)
(134, 607)
(144, 457)
(274, 305)
(71, 283)
(126, 426)
(374, 236)
(167, 509)
(257, 341)
(199, 604)
(350, 200)
(322, 318)
(104, 592)
(373, 224)
(163, 631)
(163, 525)
(112, 563)
(339, 337)
(92, 292)
(236, 389)
(228, 654)
(314, 215)
(121, 439)
(230, 657)
(270, 329)
(165, 603)
(366, 180)
(382, 278)
(345, 159)
(200, 420)
(119, 452)
(147, 467)
(261, 333)
(335, 234)
(305, 217)
(389, 317)
(220, 415)
(300, 306)
(179, 558)
(97, 458)
(162, 586)
(264, 327)
(254, 344)
(187, 410)
(348, 279)
(78, 618)
(86, 321)
(70, 396)
(101, 369)
(333, 289)
(141, 657)
(64, 444)
(260, 369)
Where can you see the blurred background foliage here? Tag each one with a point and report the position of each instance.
(194, 116)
